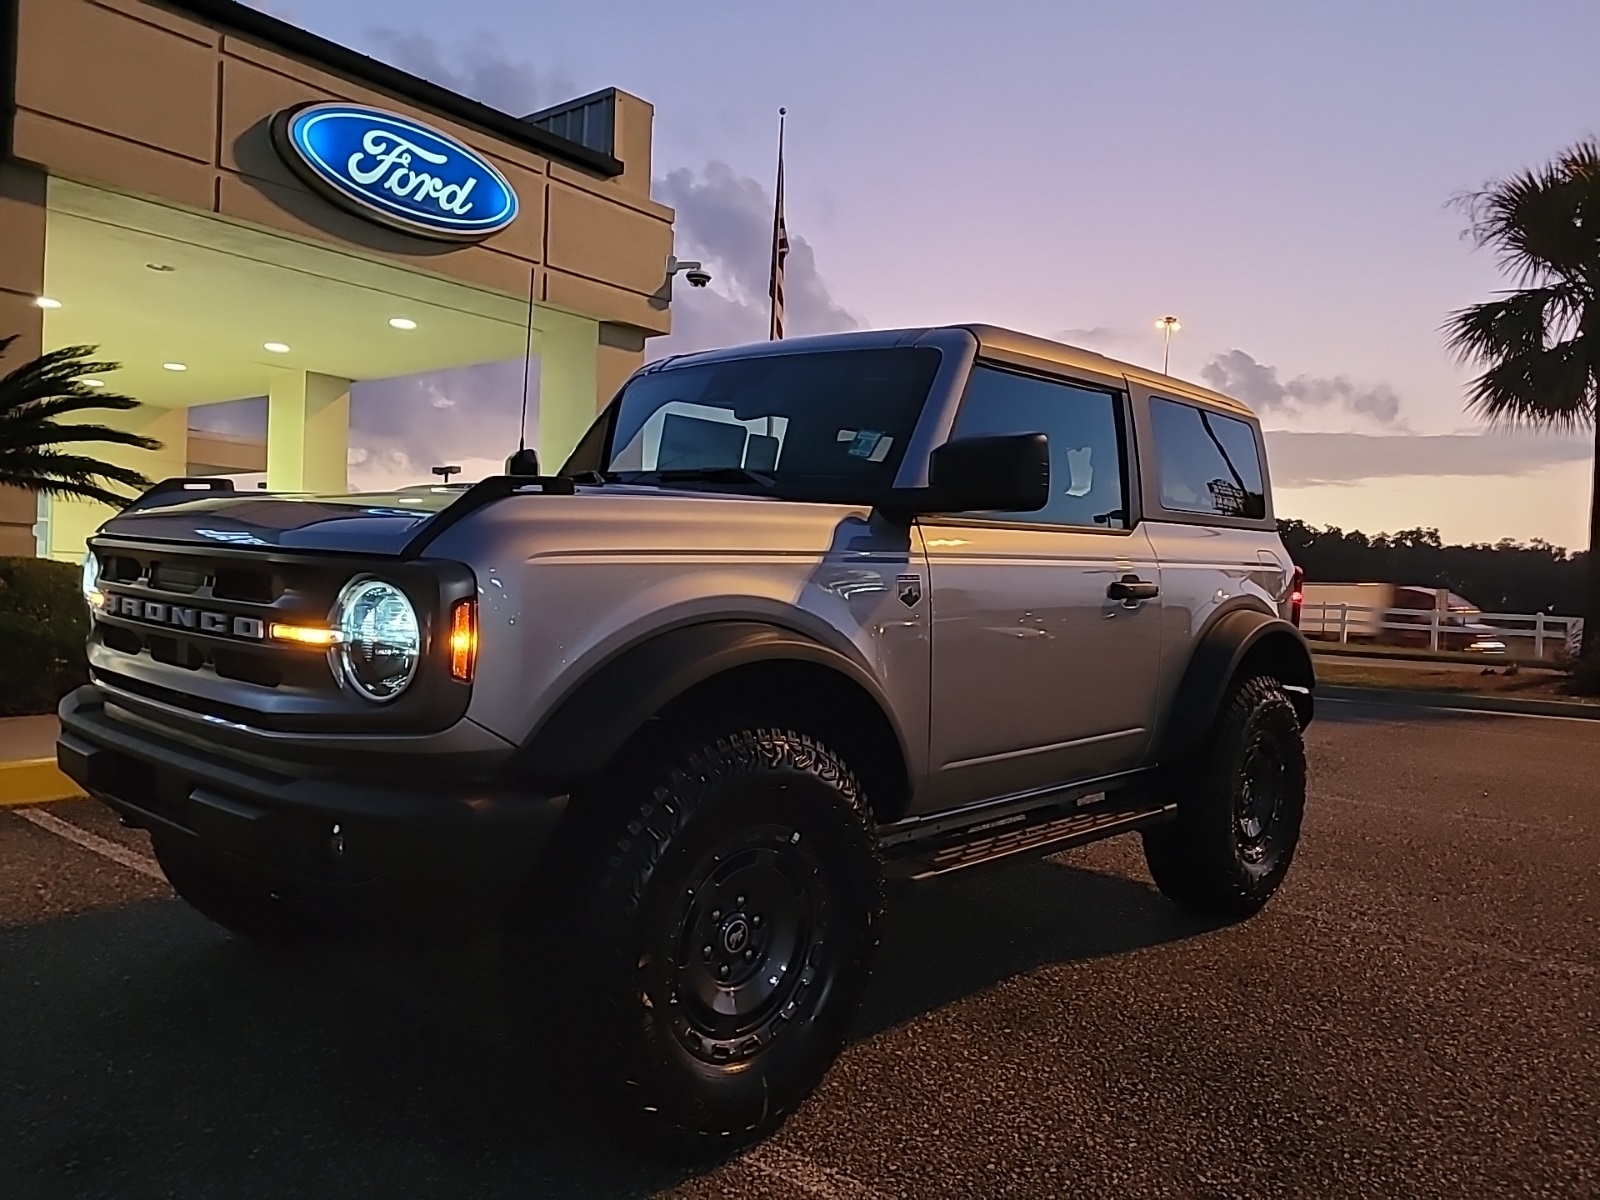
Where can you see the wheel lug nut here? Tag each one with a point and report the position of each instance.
(706, 952)
(749, 955)
(716, 914)
(755, 922)
(722, 971)
(739, 901)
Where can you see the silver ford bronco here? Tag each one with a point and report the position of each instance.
(793, 618)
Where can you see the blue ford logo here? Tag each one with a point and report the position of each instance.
(395, 171)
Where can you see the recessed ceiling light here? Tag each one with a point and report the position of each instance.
(162, 267)
(402, 322)
(275, 347)
(46, 302)
(94, 383)
(174, 366)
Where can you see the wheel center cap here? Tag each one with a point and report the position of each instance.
(735, 934)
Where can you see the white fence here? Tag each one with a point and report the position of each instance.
(1550, 635)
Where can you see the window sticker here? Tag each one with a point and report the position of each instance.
(865, 445)
(1081, 470)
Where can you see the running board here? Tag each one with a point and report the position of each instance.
(1043, 830)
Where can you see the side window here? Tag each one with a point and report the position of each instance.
(1085, 447)
(1206, 462)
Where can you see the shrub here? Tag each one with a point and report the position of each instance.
(1586, 673)
(43, 625)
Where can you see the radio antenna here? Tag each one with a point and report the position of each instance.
(525, 461)
(527, 363)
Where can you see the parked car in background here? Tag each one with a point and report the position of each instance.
(1371, 612)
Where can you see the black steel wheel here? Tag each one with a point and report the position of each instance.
(1240, 805)
(238, 905)
(694, 962)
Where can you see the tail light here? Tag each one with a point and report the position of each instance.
(463, 640)
(1297, 595)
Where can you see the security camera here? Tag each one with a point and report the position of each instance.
(694, 272)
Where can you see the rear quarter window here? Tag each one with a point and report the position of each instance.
(1205, 462)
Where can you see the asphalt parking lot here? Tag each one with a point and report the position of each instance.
(1413, 1015)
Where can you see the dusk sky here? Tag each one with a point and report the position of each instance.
(1276, 175)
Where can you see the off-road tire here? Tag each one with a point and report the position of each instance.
(750, 853)
(249, 912)
(1240, 803)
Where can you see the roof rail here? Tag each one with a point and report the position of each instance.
(178, 489)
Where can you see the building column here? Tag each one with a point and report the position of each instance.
(66, 525)
(308, 433)
(569, 359)
(22, 218)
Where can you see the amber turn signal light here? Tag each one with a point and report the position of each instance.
(305, 635)
(463, 640)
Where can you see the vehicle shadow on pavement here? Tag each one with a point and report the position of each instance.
(943, 940)
(144, 1052)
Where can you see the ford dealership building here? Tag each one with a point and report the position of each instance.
(232, 207)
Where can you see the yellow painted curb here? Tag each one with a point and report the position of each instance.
(34, 781)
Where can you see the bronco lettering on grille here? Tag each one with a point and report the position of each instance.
(177, 616)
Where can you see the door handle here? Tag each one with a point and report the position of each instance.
(1130, 589)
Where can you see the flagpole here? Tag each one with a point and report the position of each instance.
(780, 246)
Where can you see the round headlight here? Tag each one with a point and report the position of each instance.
(380, 643)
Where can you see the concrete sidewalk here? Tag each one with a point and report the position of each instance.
(28, 773)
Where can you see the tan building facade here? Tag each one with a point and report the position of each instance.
(149, 206)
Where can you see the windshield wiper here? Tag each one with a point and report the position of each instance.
(713, 475)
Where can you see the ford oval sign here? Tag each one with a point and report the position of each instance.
(395, 171)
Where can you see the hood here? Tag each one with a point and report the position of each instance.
(370, 523)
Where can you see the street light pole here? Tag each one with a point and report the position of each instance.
(1170, 326)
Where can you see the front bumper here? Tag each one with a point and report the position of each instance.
(421, 849)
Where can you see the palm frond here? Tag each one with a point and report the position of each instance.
(77, 491)
(75, 399)
(1550, 387)
(1542, 223)
(50, 470)
(33, 398)
(49, 433)
(1516, 323)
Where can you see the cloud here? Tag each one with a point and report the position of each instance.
(1310, 459)
(401, 428)
(478, 68)
(725, 221)
(1239, 375)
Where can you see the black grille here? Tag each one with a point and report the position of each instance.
(190, 627)
(248, 586)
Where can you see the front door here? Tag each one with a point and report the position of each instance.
(1041, 675)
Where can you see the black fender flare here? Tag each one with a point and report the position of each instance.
(594, 720)
(1221, 652)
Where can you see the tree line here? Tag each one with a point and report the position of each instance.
(1508, 576)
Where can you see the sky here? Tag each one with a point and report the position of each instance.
(1278, 176)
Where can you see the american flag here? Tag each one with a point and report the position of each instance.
(780, 246)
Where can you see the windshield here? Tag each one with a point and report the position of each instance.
(830, 425)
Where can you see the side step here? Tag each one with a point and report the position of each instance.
(1047, 829)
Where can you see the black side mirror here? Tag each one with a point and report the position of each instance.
(1005, 473)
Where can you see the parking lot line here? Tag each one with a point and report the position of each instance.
(121, 855)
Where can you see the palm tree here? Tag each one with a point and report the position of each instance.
(1539, 343)
(33, 398)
